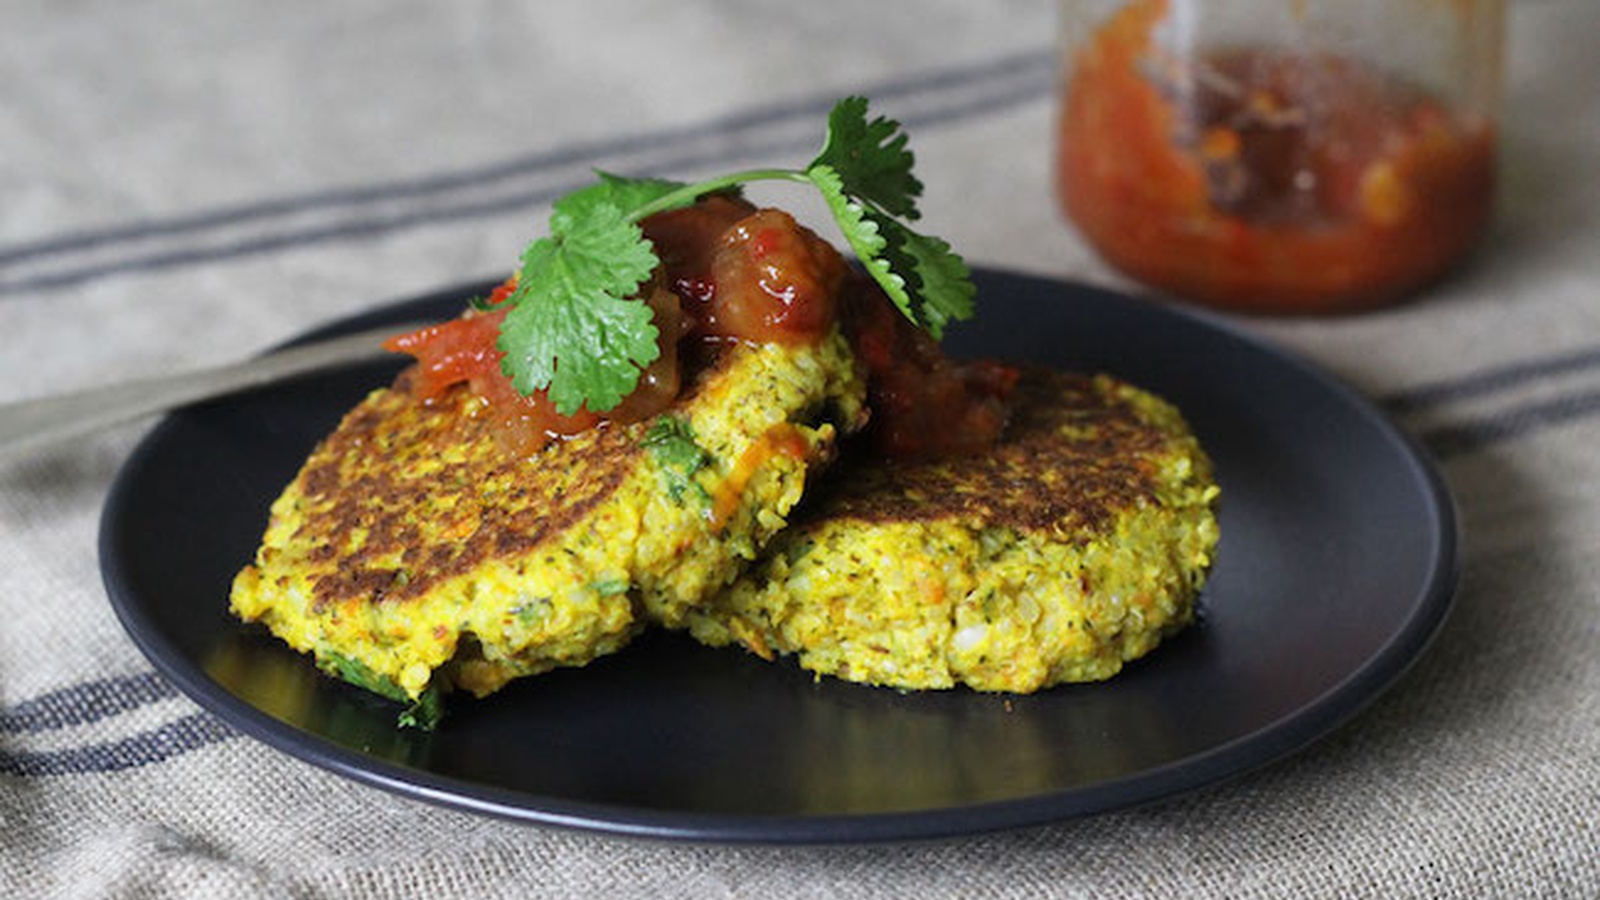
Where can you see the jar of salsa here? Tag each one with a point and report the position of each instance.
(1280, 155)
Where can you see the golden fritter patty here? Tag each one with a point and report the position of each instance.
(411, 544)
(1075, 545)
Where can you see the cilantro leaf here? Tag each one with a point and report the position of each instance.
(926, 280)
(938, 279)
(626, 194)
(424, 712)
(576, 328)
(358, 673)
(573, 331)
(860, 230)
(871, 158)
(671, 442)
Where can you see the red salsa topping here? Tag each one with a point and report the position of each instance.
(924, 404)
(732, 272)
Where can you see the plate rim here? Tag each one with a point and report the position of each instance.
(1265, 746)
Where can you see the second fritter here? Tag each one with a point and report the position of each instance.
(1075, 545)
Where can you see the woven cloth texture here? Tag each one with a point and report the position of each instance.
(185, 183)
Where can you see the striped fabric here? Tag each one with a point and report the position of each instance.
(186, 183)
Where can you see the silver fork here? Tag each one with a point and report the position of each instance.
(35, 424)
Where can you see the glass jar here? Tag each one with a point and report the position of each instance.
(1280, 155)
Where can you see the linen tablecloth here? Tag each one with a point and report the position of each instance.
(185, 183)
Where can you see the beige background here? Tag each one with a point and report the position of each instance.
(188, 182)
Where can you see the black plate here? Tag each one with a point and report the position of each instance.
(1336, 566)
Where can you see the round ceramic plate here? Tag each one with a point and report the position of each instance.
(1337, 564)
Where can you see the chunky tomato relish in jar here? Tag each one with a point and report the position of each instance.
(1280, 155)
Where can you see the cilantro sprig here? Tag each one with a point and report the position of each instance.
(576, 328)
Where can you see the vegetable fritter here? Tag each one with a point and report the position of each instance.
(1075, 545)
(413, 552)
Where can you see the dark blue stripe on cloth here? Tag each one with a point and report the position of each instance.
(172, 739)
(1036, 64)
(989, 87)
(84, 703)
(1498, 378)
(1473, 434)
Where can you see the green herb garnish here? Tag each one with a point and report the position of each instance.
(610, 587)
(575, 327)
(423, 712)
(671, 441)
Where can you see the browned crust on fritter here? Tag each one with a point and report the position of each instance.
(400, 512)
(1065, 429)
